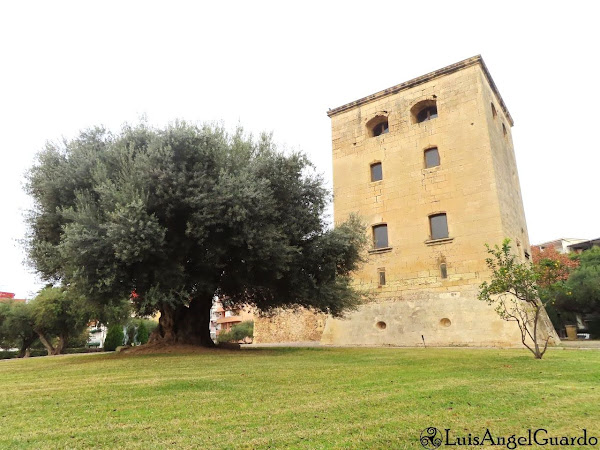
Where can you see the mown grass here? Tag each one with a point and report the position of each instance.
(293, 397)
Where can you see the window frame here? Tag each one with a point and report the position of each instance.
(371, 166)
(381, 277)
(377, 121)
(429, 116)
(374, 236)
(420, 106)
(431, 228)
(439, 160)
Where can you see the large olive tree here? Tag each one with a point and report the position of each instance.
(172, 217)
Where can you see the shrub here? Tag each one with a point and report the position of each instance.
(142, 333)
(70, 351)
(114, 338)
(594, 328)
(7, 354)
(78, 340)
(150, 325)
(238, 332)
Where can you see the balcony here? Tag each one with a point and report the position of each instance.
(230, 319)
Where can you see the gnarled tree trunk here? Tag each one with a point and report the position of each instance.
(24, 350)
(185, 324)
(49, 347)
(45, 343)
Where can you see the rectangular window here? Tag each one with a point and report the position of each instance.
(380, 236)
(432, 157)
(376, 172)
(381, 272)
(438, 225)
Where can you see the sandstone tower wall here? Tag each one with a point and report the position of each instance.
(475, 184)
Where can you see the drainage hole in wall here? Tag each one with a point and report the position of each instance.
(381, 325)
(445, 322)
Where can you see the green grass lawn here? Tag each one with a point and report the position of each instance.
(293, 397)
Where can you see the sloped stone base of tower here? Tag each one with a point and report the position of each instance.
(436, 320)
(440, 319)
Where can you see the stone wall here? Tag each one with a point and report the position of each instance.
(299, 325)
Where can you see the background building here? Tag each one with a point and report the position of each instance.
(561, 245)
(222, 319)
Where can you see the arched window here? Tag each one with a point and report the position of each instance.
(432, 157)
(494, 113)
(424, 111)
(378, 125)
(381, 128)
(504, 130)
(427, 114)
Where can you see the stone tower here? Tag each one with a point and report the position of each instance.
(429, 165)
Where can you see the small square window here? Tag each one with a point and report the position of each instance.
(380, 236)
(438, 225)
(432, 157)
(376, 172)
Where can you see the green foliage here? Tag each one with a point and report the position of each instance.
(6, 354)
(238, 332)
(114, 337)
(142, 333)
(17, 326)
(173, 216)
(584, 284)
(78, 340)
(149, 324)
(59, 314)
(594, 328)
(116, 311)
(79, 350)
(514, 293)
(559, 317)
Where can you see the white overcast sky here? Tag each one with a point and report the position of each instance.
(278, 66)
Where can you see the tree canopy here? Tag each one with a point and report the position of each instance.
(584, 284)
(172, 217)
(17, 327)
(59, 314)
